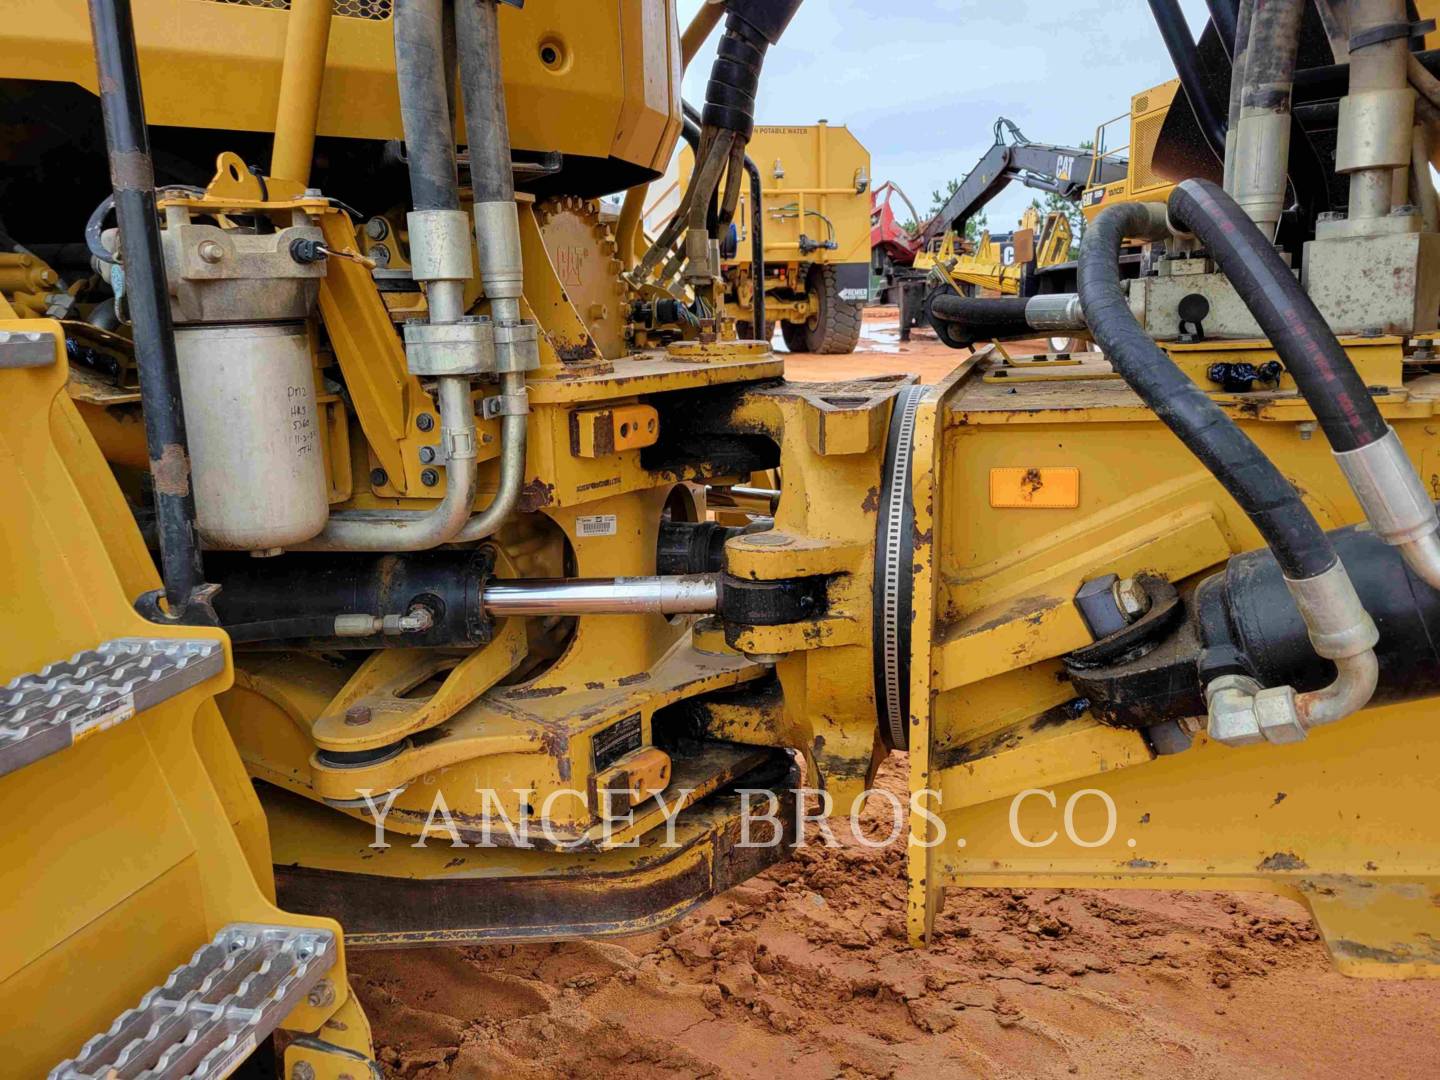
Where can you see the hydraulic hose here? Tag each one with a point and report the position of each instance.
(430, 149)
(1262, 138)
(970, 319)
(1175, 31)
(1238, 58)
(1268, 499)
(1343, 406)
(487, 127)
(1339, 627)
(627, 229)
(424, 104)
(497, 238)
(1225, 15)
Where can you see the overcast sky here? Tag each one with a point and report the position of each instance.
(921, 82)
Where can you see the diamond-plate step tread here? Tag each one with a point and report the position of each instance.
(211, 1013)
(54, 708)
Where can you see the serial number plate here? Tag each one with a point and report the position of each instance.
(597, 525)
(614, 742)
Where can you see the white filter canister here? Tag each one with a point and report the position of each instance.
(256, 460)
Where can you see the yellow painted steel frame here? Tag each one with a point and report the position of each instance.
(1032, 791)
(151, 838)
(595, 80)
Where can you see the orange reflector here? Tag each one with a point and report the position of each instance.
(1055, 487)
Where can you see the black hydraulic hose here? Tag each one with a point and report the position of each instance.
(1225, 14)
(980, 318)
(757, 248)
(301, 626)
(690, 130)
(1239, 57)
(1295, 327)
(132, 173)
(1181, 45)
(487, 126)
(1268, 499)
(425, 115)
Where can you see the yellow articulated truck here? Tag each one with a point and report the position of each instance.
(814, 217)
(361, 587)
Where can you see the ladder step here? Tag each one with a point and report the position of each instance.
(213, 1012)
(64, 702)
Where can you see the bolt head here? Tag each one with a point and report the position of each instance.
(377, 228)
(303, 1070)
(429, 477)
(322, 994)
(427, 454)
(425, 422)
(357, 715)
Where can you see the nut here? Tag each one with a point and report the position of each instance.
(210, 251)
(1231, 703)
(1278, 715)
(1131, 598)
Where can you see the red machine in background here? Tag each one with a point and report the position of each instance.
(893, 244)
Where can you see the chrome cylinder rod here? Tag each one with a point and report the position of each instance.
(683, 595)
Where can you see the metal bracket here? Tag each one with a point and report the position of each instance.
(505, 405)
(26, 349)
(517, 347)
(467, 347)
(1389, 32)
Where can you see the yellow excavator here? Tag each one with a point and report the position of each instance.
(363, 587)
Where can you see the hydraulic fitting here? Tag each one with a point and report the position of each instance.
(1230, 700)
(1339, 625)
(1055, 311)
(1340, 630)
(497, 235)
(1395, 502)
(697, 256)
(439, 245)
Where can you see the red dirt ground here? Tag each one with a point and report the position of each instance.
(804, 972)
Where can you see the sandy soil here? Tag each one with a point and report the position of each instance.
(804, 972)
(881, 352)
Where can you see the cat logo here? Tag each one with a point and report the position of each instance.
(569, 262)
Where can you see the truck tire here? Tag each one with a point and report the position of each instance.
(835, 328)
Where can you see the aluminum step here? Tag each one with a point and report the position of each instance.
(56, 707)
(213, 1012)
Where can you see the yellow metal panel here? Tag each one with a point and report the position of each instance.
(216, 64)
(822, 167)
(1021, 488)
